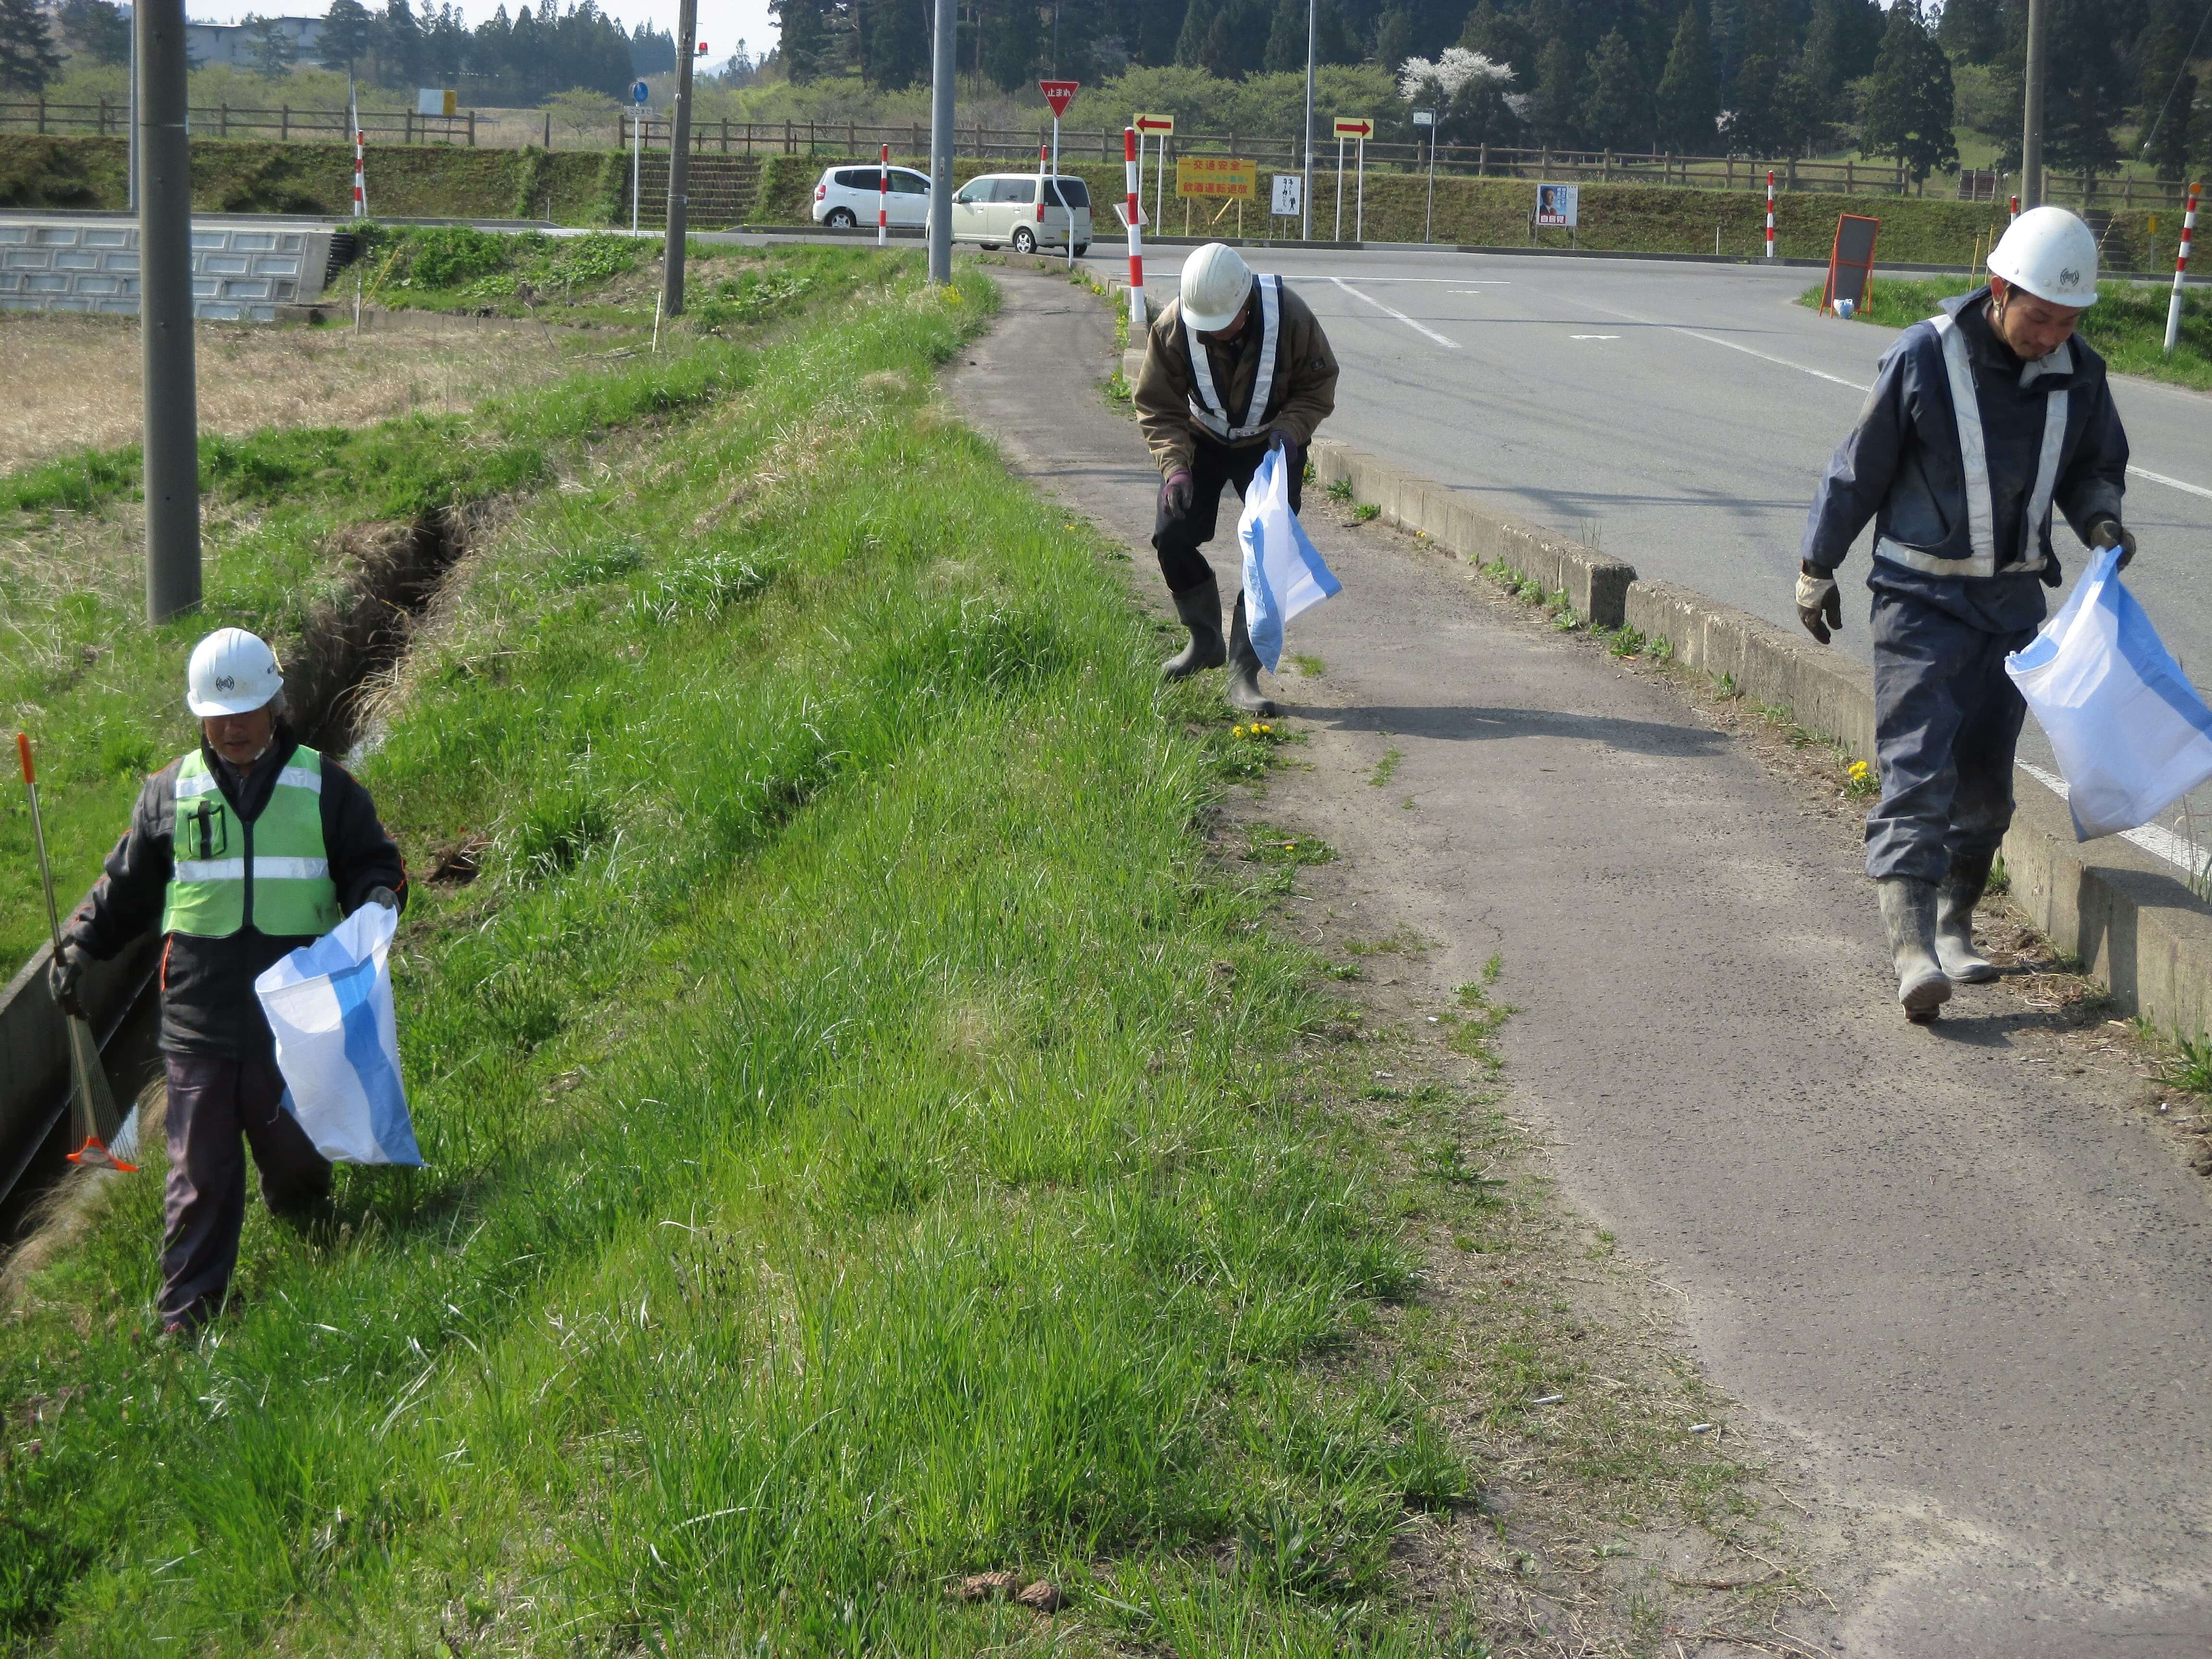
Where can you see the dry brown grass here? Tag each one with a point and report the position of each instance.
(74, 380)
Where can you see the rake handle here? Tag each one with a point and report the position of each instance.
(39, 837)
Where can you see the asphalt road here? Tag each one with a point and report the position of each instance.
(1676, 415)
(1960, 1292)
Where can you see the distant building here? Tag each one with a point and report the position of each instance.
(235, 43)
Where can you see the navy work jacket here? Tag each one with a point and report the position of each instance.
(1903, 466)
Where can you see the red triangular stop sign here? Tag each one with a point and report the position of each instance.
(1057, 92)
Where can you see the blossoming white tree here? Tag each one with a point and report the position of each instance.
(1466, 90)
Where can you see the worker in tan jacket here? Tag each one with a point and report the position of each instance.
(1234, 366)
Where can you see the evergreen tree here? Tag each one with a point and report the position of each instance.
(1221, 53)
(344, 40)
(272, 51)
(1973, 30)
(1555, 107)
(1197, 20)
(1619, 115)
(898, 44)
(1500, 37)
(802, 40)
(28, 57)
(1393, 38)
(396, 39)
(97, 29)
(1014, 41)
(1286, 39)
(2168, 90)
(1841, 44)
(2086, 93)
(1753, 121)
(1726, 30)
(1687, 104)
(1909, 104)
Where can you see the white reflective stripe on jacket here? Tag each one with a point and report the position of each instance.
(1974, 456)
(292, 777)
(268, 869)
(1206, 405)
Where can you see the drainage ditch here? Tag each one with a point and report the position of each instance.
(348, 650)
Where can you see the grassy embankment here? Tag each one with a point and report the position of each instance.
(2127, 325)
(98, 692)
(589, 188)
(848, 1165)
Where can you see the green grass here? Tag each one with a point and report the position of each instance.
(99, 691)
(2127, 325)
(845, 1171)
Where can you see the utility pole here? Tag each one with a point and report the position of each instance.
(165, 313)
(2030, 137)
(1305, 198)
(942, 71)
(679, 162)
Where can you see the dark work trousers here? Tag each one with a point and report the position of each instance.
(1176, 536)
(212, 1101)
(1946, 721)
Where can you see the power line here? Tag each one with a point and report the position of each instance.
(2179, 75)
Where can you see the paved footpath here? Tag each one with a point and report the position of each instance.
(1963, 1297)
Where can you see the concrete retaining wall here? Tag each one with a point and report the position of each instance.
(35, 1043)
(2125, 915)
(1595, 584)
(239, 273)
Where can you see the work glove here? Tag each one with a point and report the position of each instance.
(383, 895)
(1820, 607)
(66, 978)
(1293, 457)
(1176, 491)
(2110, 532)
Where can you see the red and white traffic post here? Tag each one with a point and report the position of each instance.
(2180, 267)
(884, 198)
(1135, 213)
(360, 174)
(2016, 209)
(1770, 213)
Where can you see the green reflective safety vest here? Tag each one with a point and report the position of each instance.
(286, 870)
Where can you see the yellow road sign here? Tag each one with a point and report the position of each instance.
(1150, 124)
(1216, 177)
(1354, 126)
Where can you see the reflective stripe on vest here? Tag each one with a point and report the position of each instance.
(1974, 468)
(1205, 404)
(289, 874)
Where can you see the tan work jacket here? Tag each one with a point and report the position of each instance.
(1302, 396)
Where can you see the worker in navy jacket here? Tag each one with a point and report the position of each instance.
(1984, 419)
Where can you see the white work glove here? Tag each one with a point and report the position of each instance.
(2110, 532)
(1820, 607)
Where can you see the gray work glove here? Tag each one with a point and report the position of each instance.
(383, 895)
(2110, 532)
(1820, 607)
(1176, 491)
(1293, 457)
(66, 978)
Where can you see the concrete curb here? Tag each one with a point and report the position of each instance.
(1596, 584)
(2125, 915)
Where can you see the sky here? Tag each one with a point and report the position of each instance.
(722, 23)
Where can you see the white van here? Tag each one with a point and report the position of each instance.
(845, 197)
(1024, 211)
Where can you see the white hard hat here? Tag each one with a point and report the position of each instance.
(1215, 279)
(2052, 254)
(232, 672)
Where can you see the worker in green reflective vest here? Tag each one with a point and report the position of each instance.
(247, 848)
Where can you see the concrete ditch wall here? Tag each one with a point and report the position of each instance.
(2124, 913)
(241, 273)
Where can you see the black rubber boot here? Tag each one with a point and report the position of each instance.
(1200, 608)
(1908, 910)
(1243, 690)
(1955, 899)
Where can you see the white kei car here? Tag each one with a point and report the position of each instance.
(847, 195)
(1024, 211)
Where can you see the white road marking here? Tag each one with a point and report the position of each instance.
(1469, 282)
(2170, 483)
(1416, 327)
(1592, 336)
(1737, 345)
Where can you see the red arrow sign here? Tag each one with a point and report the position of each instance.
(1348, 126)
(1057, 92)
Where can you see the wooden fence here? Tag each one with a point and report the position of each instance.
(855, 139)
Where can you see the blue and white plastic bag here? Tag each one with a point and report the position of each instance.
(338, 1041)
(1283, 572)
(2132, 735)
